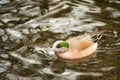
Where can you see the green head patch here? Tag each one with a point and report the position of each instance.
(63, 44)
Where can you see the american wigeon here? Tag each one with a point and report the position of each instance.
(77, 47)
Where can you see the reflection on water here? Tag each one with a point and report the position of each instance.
(26, 37)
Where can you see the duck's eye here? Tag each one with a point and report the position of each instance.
(58, 46)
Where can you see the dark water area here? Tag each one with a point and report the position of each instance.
(26, 37)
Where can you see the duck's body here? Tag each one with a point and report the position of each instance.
(79, 47)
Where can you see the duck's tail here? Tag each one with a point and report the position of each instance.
(96, 36)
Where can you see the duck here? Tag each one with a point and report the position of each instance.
(77, 47)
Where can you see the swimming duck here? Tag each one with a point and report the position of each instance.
(77, 47)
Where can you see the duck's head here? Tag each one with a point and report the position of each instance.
(60, 46)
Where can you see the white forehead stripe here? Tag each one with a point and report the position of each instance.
(56, 43)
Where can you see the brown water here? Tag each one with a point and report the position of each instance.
(26, 37)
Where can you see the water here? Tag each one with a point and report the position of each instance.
(26, 37)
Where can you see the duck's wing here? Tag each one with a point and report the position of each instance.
(80, 42)
(96, 36)
(86, 41)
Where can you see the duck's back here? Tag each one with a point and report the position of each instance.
(80, 42)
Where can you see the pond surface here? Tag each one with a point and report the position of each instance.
(26, 37)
